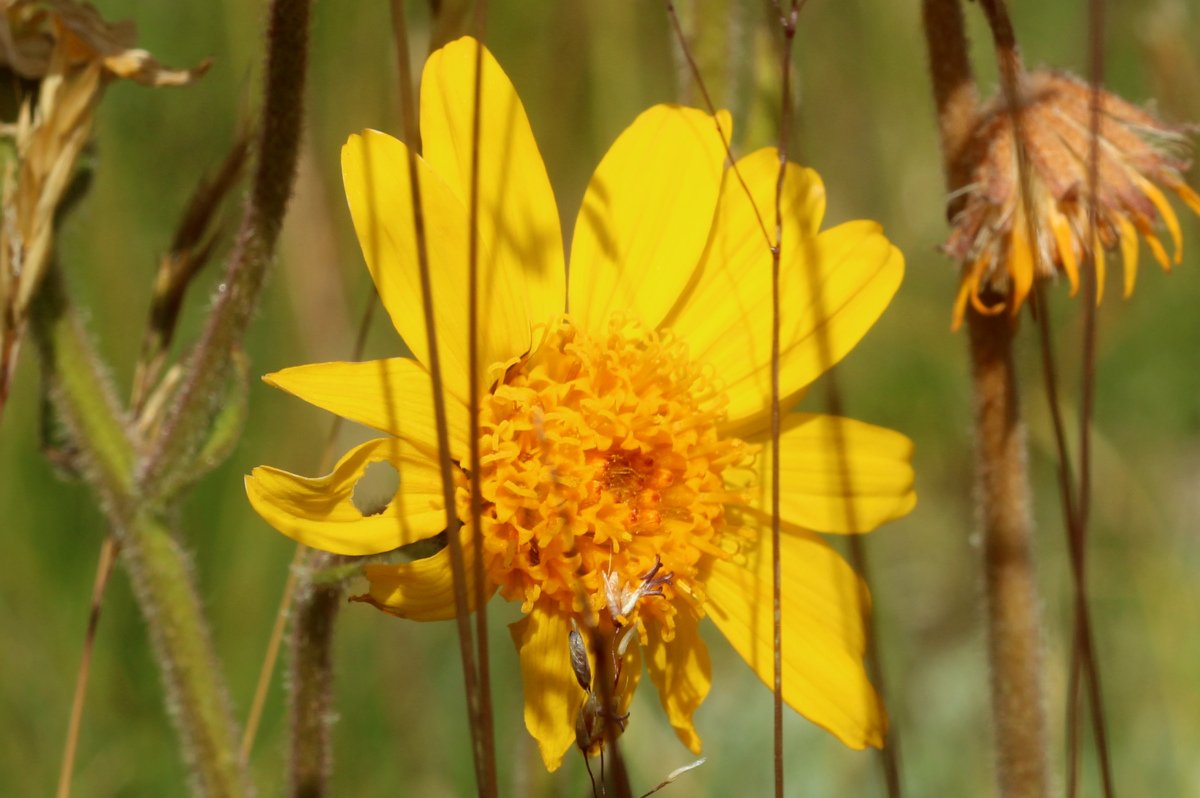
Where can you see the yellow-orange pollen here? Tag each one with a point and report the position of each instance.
(601, 459)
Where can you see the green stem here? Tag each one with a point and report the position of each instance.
(82, 393)
(158, 567)
(197, 699)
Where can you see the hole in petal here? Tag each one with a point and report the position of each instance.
(376, 488)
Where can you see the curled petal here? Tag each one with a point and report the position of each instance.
(320, 512)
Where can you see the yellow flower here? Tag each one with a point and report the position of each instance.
(1138, 154)
(623, 423)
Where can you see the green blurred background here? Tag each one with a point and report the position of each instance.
(865, 121)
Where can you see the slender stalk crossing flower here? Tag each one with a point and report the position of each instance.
(1139, 155)
(624, 451)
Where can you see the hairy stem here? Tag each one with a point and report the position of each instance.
(197, 700)
(310, 681)
(207, 370)
(953, 84)
(81, 390)
(1002, 494)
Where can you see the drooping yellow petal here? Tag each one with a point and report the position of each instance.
(837, 475)
(1021, 262)
(1189, 197)
(1167, 213)
(422, 590)
(833, 287)
(823, 609)
(393, 395)
(960, 301)
(681, 671)
(1060, 225)
(645, 217)
(1129, 249)
(320, 512)
(1101, 272)
(1156, 248)
(375, 171)
(552, 696)
(517, 215)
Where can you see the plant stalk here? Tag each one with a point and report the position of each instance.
(197, 699)
(1013, 610)
(310, 680)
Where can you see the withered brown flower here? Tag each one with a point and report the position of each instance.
(1138, 156)
(64, 53)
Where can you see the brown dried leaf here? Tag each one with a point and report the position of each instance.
(31, 30)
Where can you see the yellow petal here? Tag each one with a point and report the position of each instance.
(836, 475)
(375, 171)
(1021, 262)
(645, 217)
(1167, 213)
(552, 696)
(1189, 197)
(1129, 249)
(823, 608)
(320, 512)
(422, 590)
(1098, 257)
(1156, 248)
(394, 396)
(960, 301)
(517, 215)
(681, 671)
(832, 289)
(1060, 225)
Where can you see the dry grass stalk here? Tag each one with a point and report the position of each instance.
(68, 53)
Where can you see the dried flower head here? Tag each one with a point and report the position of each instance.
(1138, 156)
(64, 53)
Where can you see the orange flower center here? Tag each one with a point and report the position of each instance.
(601, 459)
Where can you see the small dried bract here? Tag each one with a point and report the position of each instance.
(1138, 156)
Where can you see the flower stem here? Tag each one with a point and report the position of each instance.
(158, 567)
(1014, 633)
(82, 394)
(207, 370)
(310, 682)
(1002, 485)
(196, 696)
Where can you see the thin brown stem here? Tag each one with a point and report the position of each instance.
(1083, 648)
(712, 109)
(267, 669)
(104, 567)
(454, 540)
(486, 730)
(787, 22)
